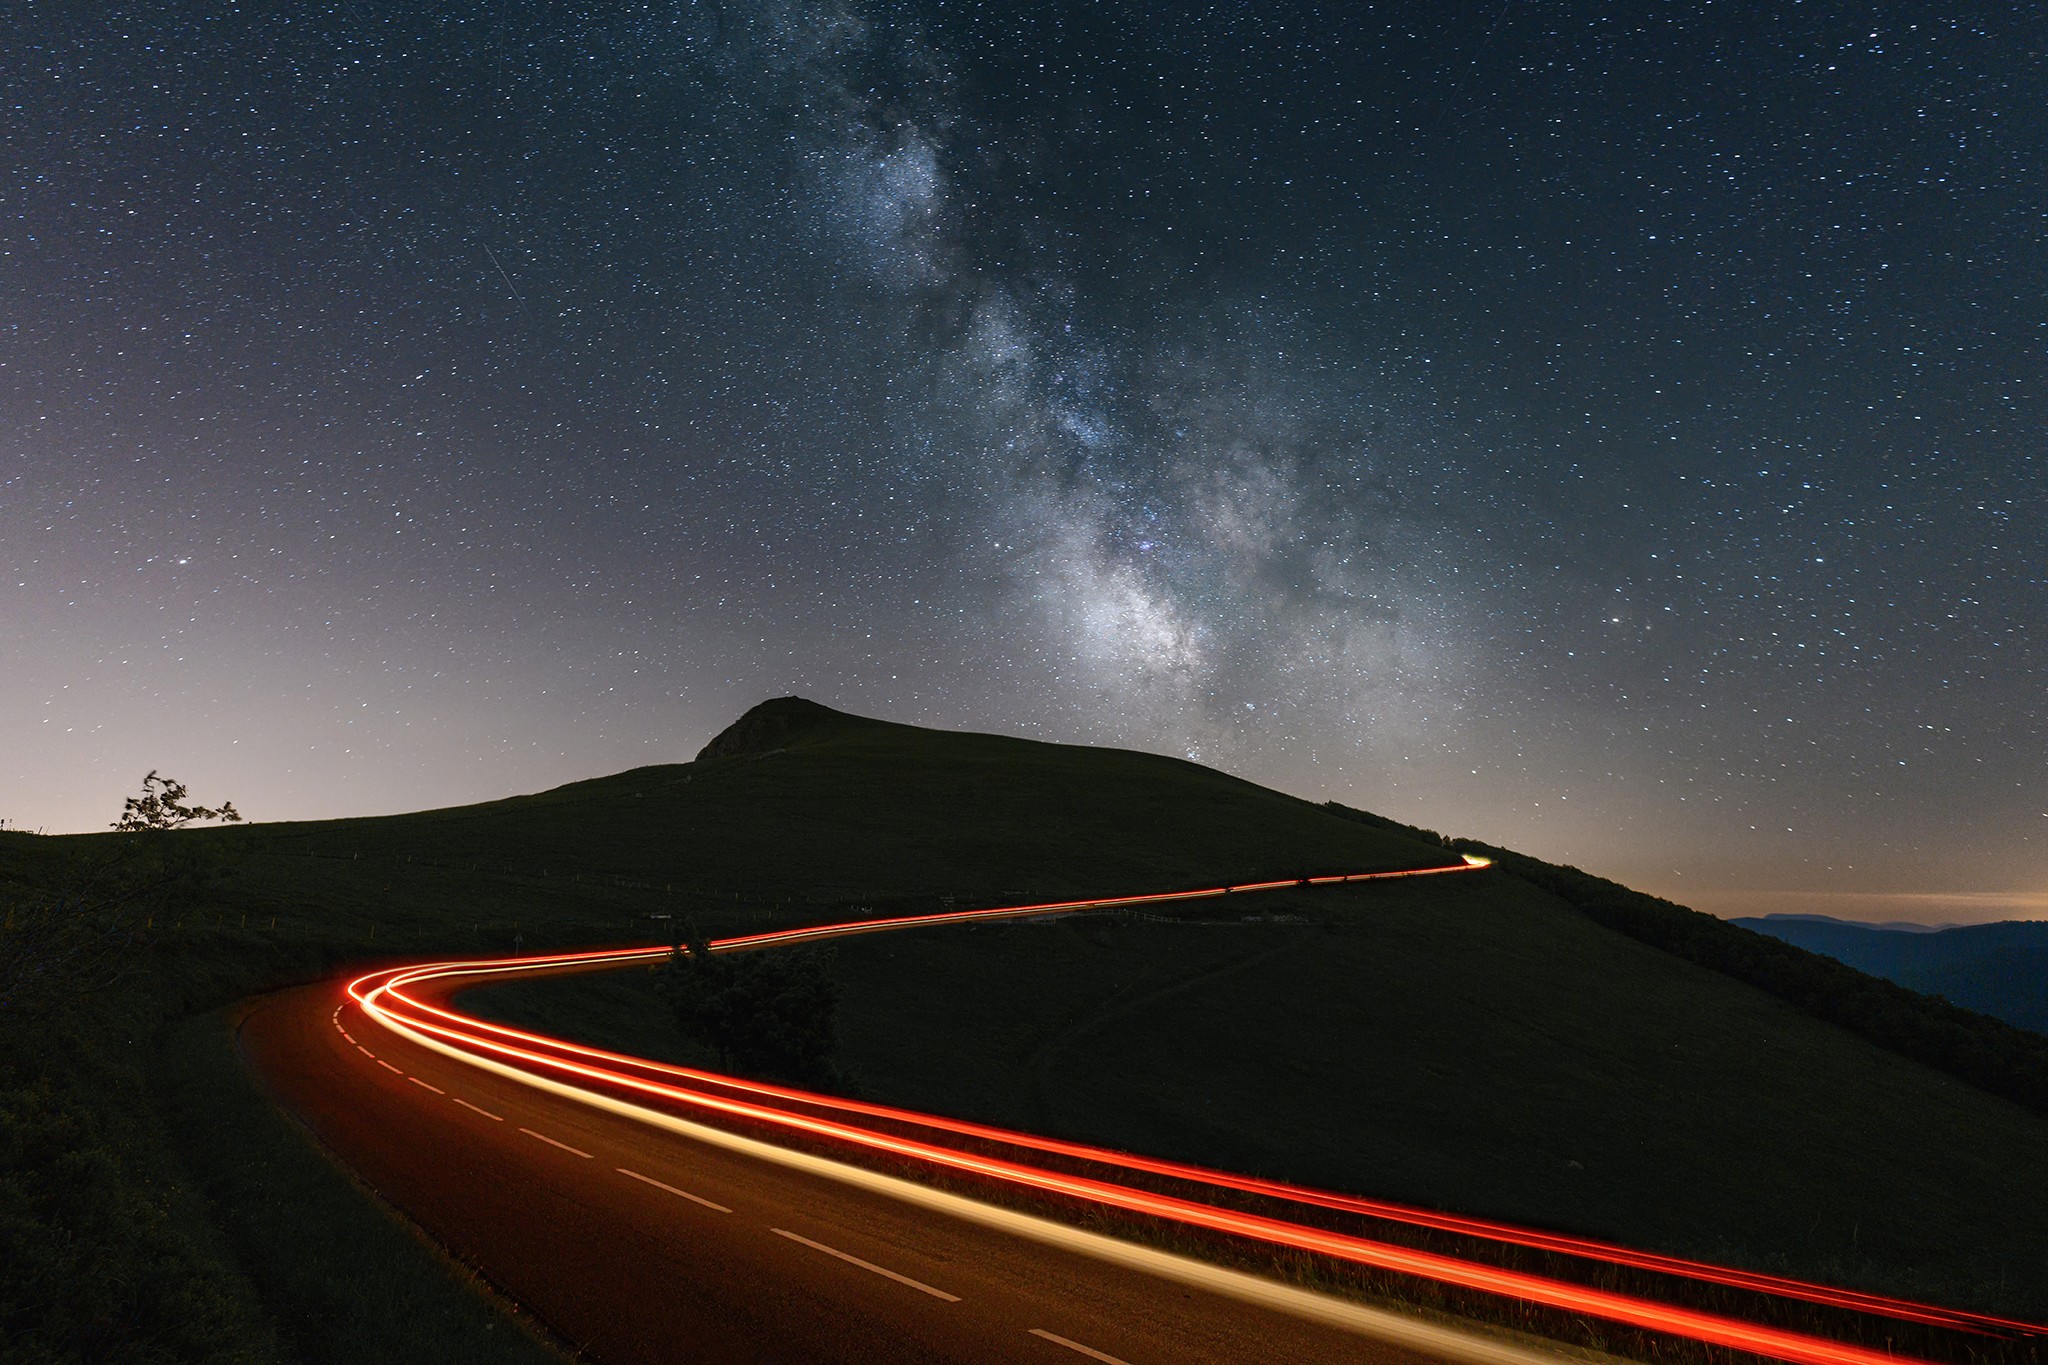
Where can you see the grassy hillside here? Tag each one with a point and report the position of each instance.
(1468, 1043)
(141, 1179)
(823, 807)
(153, 1205)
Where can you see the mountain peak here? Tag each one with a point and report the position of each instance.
(771, 725)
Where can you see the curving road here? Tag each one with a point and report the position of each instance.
(651, 1213)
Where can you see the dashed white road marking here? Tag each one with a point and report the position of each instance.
(552, 1143)
(495, 1118)
(435, 1088)
(693, 1198)
(868, 1265)
(1088, 1351)
(388, 1067)
(365, 1051)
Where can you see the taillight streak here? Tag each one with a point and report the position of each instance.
(465, 1031)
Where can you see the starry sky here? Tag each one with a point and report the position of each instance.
(1614, 431)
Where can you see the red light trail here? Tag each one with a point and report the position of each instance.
(591, 1072)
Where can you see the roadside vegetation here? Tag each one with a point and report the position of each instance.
(768, 1015)
(153, 1205)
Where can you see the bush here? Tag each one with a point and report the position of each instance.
(772, 1015)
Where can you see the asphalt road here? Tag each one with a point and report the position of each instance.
(635, 1244)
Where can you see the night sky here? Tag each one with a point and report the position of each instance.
(1614, 431)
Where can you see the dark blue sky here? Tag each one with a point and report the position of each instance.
(1612, 431)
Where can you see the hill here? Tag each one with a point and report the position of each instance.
(1473, 1043)
(799, 805)
(154, 1207)
(1493, 1045)
(1997, 969)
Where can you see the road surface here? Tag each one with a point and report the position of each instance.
(635, 1245)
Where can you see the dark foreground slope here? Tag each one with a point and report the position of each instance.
(1466, 1044)
(1470, 1043)
(153, 1207)
(1476, 1045)
(1479, 1044)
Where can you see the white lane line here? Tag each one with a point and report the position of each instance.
(435, 1088)
(1088, 1351)
(498, 1118)
(388, 1067)
(365, 1051)
(350, 1036)
(552, 1143)
(868, 1265)
(693, 1198)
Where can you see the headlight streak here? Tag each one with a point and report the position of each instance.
(513, 1052)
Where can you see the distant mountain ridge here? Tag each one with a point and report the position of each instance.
(1901, 926)
(1997, 969)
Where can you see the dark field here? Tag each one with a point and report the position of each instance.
(1466, 1043)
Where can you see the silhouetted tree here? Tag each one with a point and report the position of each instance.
(162, 806)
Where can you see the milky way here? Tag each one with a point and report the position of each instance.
(1611, 431)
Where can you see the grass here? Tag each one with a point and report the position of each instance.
(143, 1179)
(1988, 1053)
(1466, 1043)
(851, 811)
(104, 1254)
(154, 1204)
(275, 1192)
(1459, 1041)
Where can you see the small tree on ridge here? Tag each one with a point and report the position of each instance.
(162, 806)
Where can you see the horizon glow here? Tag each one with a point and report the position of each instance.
(1609, 435)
